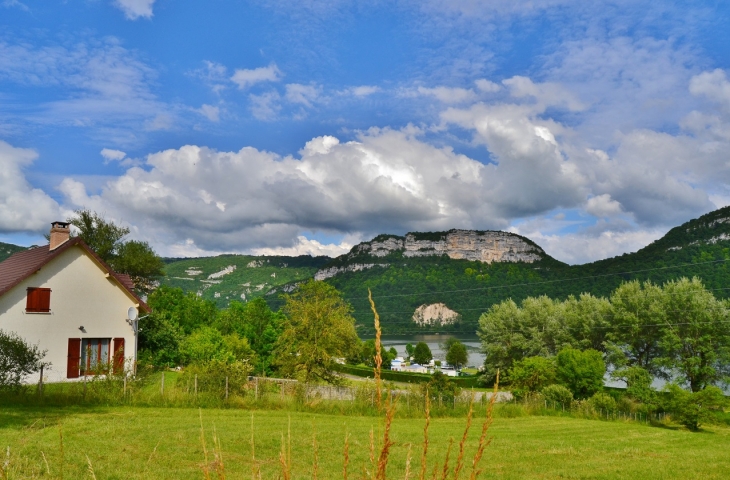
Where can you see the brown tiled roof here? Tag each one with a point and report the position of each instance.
(21, 265)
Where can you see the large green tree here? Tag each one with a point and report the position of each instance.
(318, 328)
(581, 372)
(457, 356)
(695, 345)
(134, 258)
(422, 353)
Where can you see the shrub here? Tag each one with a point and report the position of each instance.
(212, 376)
(531, 374)
(18, 359)
(602, 401)
(694, 409)
(440, 387)
(580, 371)
(557, 394)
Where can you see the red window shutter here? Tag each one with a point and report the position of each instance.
(118, 355)
(44, 299)
(38, 300)
(74, 358)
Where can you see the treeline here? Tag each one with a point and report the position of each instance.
(679, 332)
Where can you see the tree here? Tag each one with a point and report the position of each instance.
(532, 374)
(409, 350)
(695, 345)
(186, 309)
(207, 344)
(18, 359)
(368, 354)
(422, 354)
(256, 322)
(134, 258)
(457, 356)
(692, 409)
(318, 327)
(580, 371)
(638, 314)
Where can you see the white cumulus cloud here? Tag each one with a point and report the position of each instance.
(134, 9)
(244, 78)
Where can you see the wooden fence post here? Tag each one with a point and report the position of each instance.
(162, 384)
(124, 387)
(226, 387)
(196, 385)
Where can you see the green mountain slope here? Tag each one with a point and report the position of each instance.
(700, 248)
(238, 277)
(7, 249)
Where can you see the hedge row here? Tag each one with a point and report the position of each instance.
(463, 382)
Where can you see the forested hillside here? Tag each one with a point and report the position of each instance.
(699, 248)
(225, 278)
(7, 249)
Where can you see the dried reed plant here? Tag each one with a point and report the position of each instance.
(460, 459)
(45, 461)
(346, 453)
(285, 454)
(483, 440)
(408, 463)
(206, 466)
(445, 470)
(387, 442)
(255, 467)
(315, 464)
(218, 465)
(425, 438)
(378, 356)
(90, 467)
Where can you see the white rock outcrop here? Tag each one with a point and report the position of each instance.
(355, 267)
(435, 314)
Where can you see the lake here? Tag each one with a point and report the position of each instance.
(434, 341)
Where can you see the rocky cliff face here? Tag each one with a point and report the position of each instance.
(434, 314)
(472, 245)
(484, 247)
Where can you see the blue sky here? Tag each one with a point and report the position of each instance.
(305, 127)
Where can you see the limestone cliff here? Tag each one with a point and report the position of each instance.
(481, 246)
(434, 314)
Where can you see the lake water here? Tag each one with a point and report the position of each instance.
(434, 342)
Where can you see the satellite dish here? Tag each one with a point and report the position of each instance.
(132, 313)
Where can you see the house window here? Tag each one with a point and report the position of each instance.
(95, 355)
(38, 300)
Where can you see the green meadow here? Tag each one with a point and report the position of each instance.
(166, 443)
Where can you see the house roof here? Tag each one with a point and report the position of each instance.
(21, 265)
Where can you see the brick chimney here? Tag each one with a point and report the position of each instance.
(60, 233)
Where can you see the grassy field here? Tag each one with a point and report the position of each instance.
(162, 443)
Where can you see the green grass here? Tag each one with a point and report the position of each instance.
(161, 443)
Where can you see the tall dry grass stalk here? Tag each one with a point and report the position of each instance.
(425, 437)
(460, 459)
(483, 440)
(60, 439)
(153, 451)
(372, 453)
(378, 356)
(408, 463)
(90, 468)
(445, 470)
(285, 455)
(45, 461)
(206, 466)
(5, 465)
(255, 467)
(347, 455)
(315, 463)
(387, 442)
(218, 464)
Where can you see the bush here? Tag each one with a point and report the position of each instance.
(602, 401)
(531, 374)
(212, 376)
(18, 359)
(558, 394)
(694, 409)
(581, 371)
(440, 387)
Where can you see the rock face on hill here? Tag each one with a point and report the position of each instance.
(434, 314)
(481, 246)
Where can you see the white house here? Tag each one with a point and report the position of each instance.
(65, 299)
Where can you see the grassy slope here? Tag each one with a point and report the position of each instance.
(124, 443)
(267, 274)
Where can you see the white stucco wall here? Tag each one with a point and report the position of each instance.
(81, 295)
